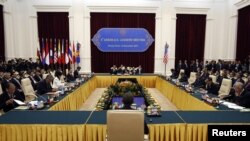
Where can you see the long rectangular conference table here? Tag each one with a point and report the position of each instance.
(61, 122)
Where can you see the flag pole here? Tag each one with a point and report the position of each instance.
(165, 58)
(165, 69)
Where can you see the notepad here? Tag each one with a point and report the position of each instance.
(19, 102)
(21, 108)
(236, 107)
(53, 93)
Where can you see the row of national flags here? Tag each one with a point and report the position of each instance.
(58, 51)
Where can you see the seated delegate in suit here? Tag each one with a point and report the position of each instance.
(32, 79)
(199, 82)
(211, 87)
(16, 81)
(70, 76)
(113, 69)
(6, 99)
(44, 86)
(38, 77)
(241, 96)
(121, 69)
(173, 74)
(183, 77)
(222, 76)
(238, 78)
(128, 100)
(5, 81)
(76, 72)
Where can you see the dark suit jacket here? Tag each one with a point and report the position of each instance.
(76, 74)
(247, 86)
(183, 79)
(237, 80)
(16, 82)
(199, 83)
(38, 78)
(212, 89)
(70, 78)
(4, 97)
(243, 99)
(43, 87)
(4, 84)
(33, 82)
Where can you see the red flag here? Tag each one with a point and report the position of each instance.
(38, 52)
(59, 52)
(55, 52)
(62, 55)
(47, 53)
(67, 53)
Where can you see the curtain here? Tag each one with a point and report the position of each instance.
(102, 61)
(243, 34)
(2, 45)
(55, 26)
(190, 37)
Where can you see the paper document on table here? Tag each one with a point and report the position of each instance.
(228, 103)
(53, 93)
(236, 107)
(19, 102)
(21, 108)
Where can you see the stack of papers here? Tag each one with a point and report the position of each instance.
(232, 105)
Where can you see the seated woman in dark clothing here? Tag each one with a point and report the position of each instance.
(128, 100)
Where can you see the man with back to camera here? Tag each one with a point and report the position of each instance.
(7, 102)
(128, 100)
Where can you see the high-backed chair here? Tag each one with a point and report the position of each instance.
(245, 79)
(1, 89)
(28, 90)
(1, 112)
(125, 125)
(214, 78)
(225, 87)
(181, 71)
(45, 75)
(1, 92)
(192, 78)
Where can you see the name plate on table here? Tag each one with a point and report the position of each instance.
(122, 39)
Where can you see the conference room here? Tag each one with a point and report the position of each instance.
(94, 70)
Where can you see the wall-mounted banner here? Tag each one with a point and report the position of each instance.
(122, 39)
